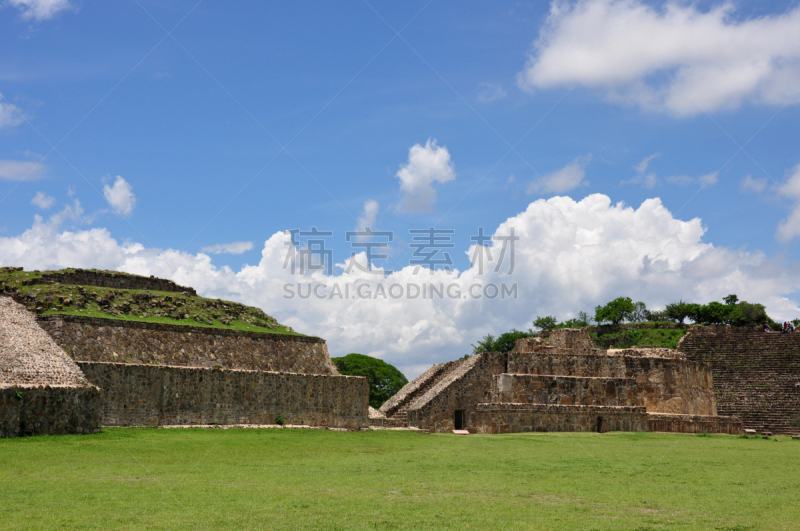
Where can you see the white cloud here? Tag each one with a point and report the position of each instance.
(567, 178)
(120, 196)
(369, 215)
(10, 115)
(491, 92)
(43, 200)
(228, 248)
(709, 179)
(648, 180)
(675, 58)
(571, 256)
(789, 228)
(753, 185)
(40, 9)
(642, 166)
(426, 165)
(22, 170)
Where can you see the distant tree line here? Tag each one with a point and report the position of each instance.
(731, 312)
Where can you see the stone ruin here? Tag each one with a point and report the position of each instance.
(563, 385)
(42, 390)
(64, 373)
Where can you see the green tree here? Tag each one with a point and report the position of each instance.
(640, 313)
(658, 316)
(545, 323)
(746, 314)
(731, 299)
(507, 341)
(484, 345)
(616, 311)
(503, 343)
(713, 313)
(384, 379)
(679, 311)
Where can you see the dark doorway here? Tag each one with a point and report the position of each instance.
(599, 424)
(458, 421)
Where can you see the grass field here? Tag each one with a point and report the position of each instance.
(310, 479)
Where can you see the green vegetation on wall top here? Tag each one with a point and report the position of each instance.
(151, 306)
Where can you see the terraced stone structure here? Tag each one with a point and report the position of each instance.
(163, 355)
(756, 374)
(42, 390)
(563, 385)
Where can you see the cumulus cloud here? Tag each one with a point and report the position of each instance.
(39, 10)
(228, 248)
(789, 228)
(676, 58)
(120, 196)
(567, 178)
(426, 165)
(22, 170)
(571, 256)
(43, 200)
(753, 185)
(369, 215)
(491, 92)
(10, 114)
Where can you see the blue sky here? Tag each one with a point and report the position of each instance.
(252, 118)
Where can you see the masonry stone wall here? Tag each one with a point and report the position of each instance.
(694, 424)
(111, 279)
(566, 364)
(673, 393)
(668, 385)
(756, 374)
(118, 341)
(159, 395)
(513, 418)
(50, 410)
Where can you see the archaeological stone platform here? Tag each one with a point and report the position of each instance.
(161, 374)
(563, 385)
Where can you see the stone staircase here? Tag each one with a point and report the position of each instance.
(396, 409)
(756, 374)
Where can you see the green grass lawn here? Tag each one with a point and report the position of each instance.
(309, 479)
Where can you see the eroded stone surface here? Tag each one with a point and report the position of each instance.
(28, 355)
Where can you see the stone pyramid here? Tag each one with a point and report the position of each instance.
(28, 355)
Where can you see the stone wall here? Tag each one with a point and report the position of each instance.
(571, 339)
(694, 424)
(756, 374)
(158, 395)
(512, 418)
(118, 341)
(669, 385)
(566, 364)
(111, 279)
(660, 388)
(46, 410)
